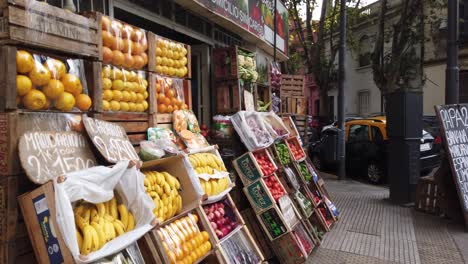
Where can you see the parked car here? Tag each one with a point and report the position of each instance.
(335, 123)
(366, 148)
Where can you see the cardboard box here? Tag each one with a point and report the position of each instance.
(259, 196)
(176, 167)
(248, 168)
(273, 223)
(38, 208)
(15, 124)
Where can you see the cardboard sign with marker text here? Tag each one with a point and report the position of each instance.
(45, 155)
(110, 139)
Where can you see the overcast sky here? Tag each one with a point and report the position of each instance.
(316, 13)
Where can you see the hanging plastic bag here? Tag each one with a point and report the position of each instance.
(97, 185)
(252, 130)
(275, 125)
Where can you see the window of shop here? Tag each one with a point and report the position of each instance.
(226, 38)
(363, 102)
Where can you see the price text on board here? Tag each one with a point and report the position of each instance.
(45, 155)
(110, 139)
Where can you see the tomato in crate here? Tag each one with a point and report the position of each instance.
(265, 162)
(275, 187)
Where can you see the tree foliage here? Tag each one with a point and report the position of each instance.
(315, 36)
(400, 67)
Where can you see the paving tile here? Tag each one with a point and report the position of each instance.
(371, 230)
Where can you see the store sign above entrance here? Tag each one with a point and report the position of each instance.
(255, 16)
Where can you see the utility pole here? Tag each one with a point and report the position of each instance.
(341, 84)
(452, 83)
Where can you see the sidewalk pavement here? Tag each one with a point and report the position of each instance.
(372, 230)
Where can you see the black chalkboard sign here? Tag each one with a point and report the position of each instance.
(453, 120)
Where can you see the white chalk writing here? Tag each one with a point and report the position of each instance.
(455, 123)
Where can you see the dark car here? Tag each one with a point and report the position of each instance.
(366, 148)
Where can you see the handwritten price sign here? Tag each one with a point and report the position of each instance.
(454, 123)
(45, 155)
(110, 139)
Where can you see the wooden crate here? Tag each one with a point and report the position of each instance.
(152, 40)
(96, 16)
(8, 75)
(8, 208)
(94, 73)
(36, 24)
(243, 231)
(292, 85)
(135, 124)
(428, 196)
(236, 214)
(258, 235)
(228, 96)
(166, 118)
(157, 242)
(14, 124)
(294, 105)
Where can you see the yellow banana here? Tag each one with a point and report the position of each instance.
(100, 232)
(87, 240)
(208, 188)
(109, 231)
(179, 203)
(87, 215)
(123, 212)
(79, 221)
(147, 182)
(109, 218)
(79, 209)
(95, 238)
(101, 208)
(118, 228)
(214, 187)
(94, 215)
(113, 208)
(131, 222)
(107, 207)
(79, 238)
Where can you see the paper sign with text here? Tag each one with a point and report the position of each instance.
(48, 154)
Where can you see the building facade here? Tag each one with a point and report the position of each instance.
(363, 97)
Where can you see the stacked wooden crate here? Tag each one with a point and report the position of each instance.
(293, 100)
(39, 29)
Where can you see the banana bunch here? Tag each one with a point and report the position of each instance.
(206, 163)
(97, 224)
(214, 186)
(163, 188)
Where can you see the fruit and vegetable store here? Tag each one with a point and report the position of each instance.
(153, 132)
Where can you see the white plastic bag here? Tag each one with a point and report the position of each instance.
(97, 185)
(275, 125)
(251, 129)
